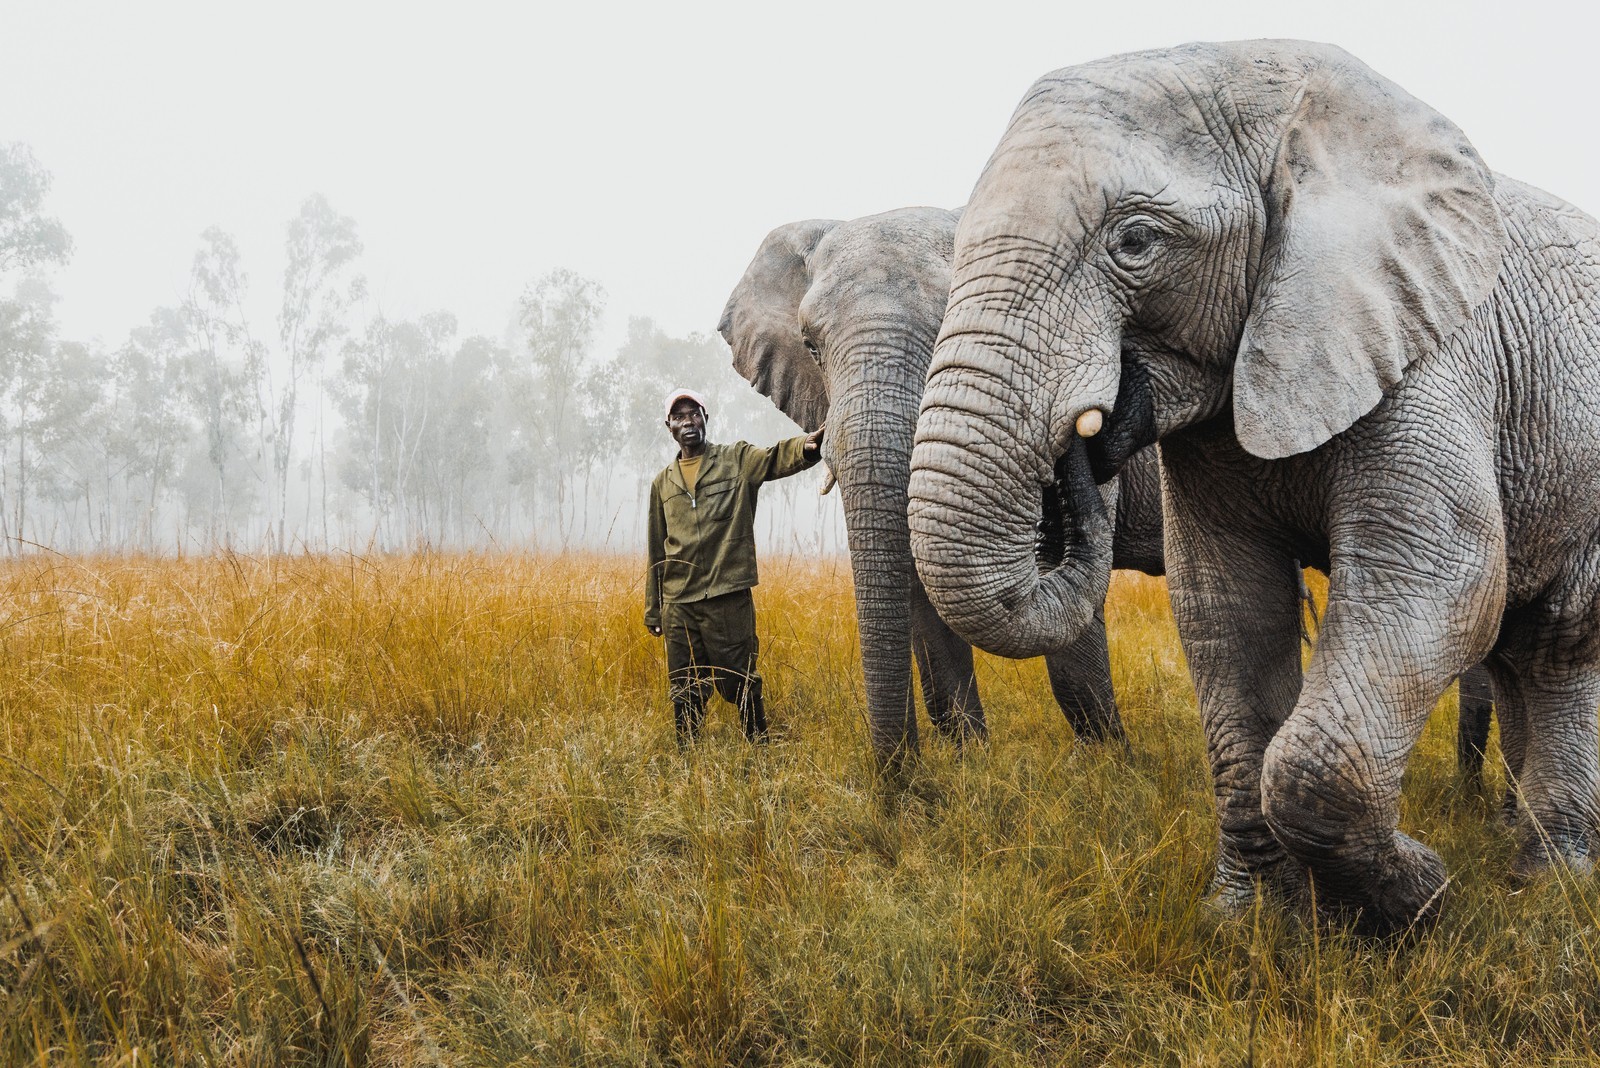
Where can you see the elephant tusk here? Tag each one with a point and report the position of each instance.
(1090, 422)
(828, 481)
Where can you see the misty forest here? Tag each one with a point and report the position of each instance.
(305, 416)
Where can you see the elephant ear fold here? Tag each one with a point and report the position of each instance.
(1382, 236)
(761, 323)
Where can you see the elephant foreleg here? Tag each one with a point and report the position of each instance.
(1331, 780)
(944, 662)
(1080, 678)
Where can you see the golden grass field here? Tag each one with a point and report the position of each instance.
(429, 810)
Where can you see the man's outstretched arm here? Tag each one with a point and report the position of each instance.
(787, 457)
(656, 552)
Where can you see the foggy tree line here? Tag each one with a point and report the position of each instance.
(327, 423)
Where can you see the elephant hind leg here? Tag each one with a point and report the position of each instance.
(1475, 700)
(1080, 679)
(1558, 792)
(949, 683)
(1510, 708)
(1235, 597)
(1552, 748)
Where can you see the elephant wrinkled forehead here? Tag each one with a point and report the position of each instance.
(1161, 111)
(913, 241)
(1129, 133)
(894, 264)
(1147, 92)
(1059, 179)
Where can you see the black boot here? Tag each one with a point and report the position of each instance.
(688, 714)
(753, 712)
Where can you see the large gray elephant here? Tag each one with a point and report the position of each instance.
(835, 321)
(1358, 348)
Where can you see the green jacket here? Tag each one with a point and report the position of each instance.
(703, 544)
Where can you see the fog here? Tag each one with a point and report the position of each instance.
(347, 276)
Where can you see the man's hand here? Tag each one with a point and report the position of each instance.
(653, 629)
(813, 445)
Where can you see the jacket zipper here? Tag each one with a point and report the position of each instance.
(689, 492)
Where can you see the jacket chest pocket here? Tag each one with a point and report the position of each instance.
(715, 500)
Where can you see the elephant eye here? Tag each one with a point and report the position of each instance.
(811, 347)
(1136, 239)
(1135, 243)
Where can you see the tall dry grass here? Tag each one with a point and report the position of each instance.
(429, 810)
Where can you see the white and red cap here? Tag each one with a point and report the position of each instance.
(679, 394)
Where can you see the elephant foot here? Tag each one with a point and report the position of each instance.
(892, 765)
(1551, 848)
(1232, 893)
(1236, 887)
(961, 728)
(1399, 894)
(1469, 777)
(1101, 731)
(1509, 809)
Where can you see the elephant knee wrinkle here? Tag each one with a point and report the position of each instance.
(1313, 809)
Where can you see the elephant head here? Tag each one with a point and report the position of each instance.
(836, 320)
(1263, 231)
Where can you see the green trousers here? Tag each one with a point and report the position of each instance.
(712, 644)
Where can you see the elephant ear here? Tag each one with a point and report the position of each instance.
(1382, 236)
(761, 323)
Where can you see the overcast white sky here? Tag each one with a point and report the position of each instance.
(648, 146)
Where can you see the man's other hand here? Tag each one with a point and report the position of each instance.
(653, 629)
(813, 445)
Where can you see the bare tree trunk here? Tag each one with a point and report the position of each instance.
(22, 477)
(377, 449)
(322, 457)
(12, 546)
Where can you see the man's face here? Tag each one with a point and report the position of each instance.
(687, 423)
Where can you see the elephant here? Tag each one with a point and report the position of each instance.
(835, 320)
(1357, 348)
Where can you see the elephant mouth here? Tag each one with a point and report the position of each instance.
(1066, 503)
(1129, 426)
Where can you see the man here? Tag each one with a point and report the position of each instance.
(703, 563)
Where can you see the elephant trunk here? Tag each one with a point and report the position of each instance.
(870, 427)
(1009, 532)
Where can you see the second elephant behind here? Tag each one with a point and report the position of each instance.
(836, 320)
